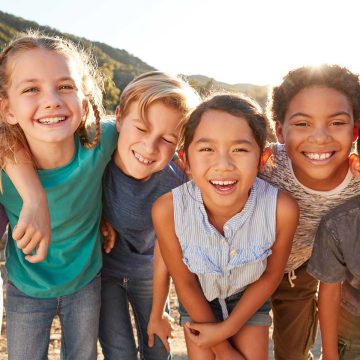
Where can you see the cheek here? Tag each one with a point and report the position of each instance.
(122, 144)
(292, 138)
(167, 151)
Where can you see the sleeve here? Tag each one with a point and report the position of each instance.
(327, 262)
(108, 138)
(3, 221)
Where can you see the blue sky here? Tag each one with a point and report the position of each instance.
(254, 41)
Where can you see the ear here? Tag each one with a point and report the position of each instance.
(117, 117)
(6, 112)
(279, 132)
(355, 133)
(264, 157)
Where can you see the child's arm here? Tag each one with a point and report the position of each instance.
(287, 214)
(329, 304)
(187, 287)
(109, 235)
(160, 322)
(33, 229)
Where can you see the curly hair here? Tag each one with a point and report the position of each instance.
(329, 76)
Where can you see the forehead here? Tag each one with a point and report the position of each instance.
(316, 99)
(158, 116)
(40, 64)
(220, 124)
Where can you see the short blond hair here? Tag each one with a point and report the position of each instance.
(157, 86)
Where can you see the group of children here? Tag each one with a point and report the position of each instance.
(232, 222)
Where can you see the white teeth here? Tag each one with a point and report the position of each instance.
(316, 156)
(142, 159)
(222, 183)
(52, 120)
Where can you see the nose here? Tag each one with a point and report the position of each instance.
(150, 145)
(52, 100)
(320, 135)
(224, 163)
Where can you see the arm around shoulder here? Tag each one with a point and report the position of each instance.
(33, 229)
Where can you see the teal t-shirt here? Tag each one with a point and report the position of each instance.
(74, 194)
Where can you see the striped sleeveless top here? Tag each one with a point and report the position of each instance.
(226, 264)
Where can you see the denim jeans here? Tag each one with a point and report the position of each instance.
(116, 333)
(29, 321)
(260, 318)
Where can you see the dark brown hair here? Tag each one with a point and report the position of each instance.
(235, 104)
(329, 76)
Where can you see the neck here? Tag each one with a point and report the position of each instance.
(218, 216)
(53, 155)
(323, 184)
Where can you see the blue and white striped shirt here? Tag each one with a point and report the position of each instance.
(225, 265)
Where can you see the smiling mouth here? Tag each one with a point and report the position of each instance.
(319, 156)
(141, 159)
(52, 120)
(223, 185)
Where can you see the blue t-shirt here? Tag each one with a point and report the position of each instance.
(127, 206)
(74, 194)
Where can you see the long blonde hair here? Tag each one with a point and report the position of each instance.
(12, 137)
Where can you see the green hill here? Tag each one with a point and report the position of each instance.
(118, 66)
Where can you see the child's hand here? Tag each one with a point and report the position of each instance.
(163, 328)
(354, 164)
(109, 235)
(204, 335)
(33, 230)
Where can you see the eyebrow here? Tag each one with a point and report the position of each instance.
(235, 142)
(308, 116)
(66, 78)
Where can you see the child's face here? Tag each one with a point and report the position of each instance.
(223, 160)
(44, 97)
(318, 134)
(146, 148)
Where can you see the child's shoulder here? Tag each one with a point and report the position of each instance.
(108, 126)
(109, 136)
(349, 208)
(163, 206)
